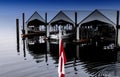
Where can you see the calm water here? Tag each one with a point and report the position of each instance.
(41, 60)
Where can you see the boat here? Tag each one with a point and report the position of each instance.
(35, 40)
(64, 35)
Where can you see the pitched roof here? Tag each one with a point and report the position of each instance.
(97, 15)
(61, 16)
(35, 16)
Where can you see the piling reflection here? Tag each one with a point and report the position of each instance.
(95, 60)
(18, 48)
(24, 51)
(17, 36)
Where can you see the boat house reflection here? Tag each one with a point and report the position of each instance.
(89, 57)
(36, 48)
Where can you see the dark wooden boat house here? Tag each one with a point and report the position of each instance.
(95, 25)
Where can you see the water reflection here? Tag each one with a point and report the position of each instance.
(37, 51)
(93, 60)
(18, 46)
(24, 51)
(93, 57)
(109, 69)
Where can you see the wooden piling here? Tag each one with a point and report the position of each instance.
(76, 19)
(17, 33)
(117, 27)
(77, 27)
(47, 26)
(23, 21)
(77, 51)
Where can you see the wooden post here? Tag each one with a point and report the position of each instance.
(47, 26)
(77, 27)
(77, 51)
(23, 18)
(78, 34)
(75, 18)
(117, 27)
(17, 33)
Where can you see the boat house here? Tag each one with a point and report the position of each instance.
(96, 26)
(35, 25)
(63, 23)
